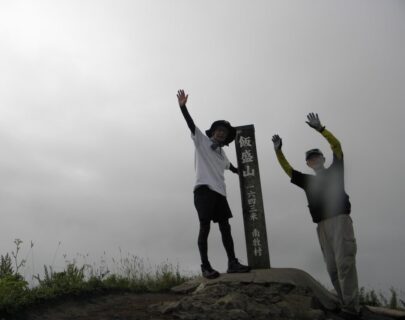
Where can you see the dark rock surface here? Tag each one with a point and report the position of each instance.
(218, 301)
(261, 295)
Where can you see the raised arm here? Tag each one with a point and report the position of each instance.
(314, 122)
(280, 155)
(182, 99)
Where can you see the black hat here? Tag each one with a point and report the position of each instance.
(222, 123)
(312, 152)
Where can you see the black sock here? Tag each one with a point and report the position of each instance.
(227, 240)
(203, 243)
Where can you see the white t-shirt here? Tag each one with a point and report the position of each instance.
(209, 164)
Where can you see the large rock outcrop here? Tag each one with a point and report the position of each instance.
(260, 295)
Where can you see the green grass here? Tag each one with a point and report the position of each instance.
(372, 298)
(131, 275)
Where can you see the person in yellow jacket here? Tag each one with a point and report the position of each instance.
(330, 209)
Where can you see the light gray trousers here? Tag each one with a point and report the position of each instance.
(338, 244)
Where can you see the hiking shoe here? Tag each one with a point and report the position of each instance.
(234, 266)
(209, 273)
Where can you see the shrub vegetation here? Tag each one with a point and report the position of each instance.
(74, 281)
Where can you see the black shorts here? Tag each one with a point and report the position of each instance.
(211, 205)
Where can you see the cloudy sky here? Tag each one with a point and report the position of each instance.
(96, 157)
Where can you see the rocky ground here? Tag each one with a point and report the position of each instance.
(277, 294)
(236, 301)
(247, 301)
(273, 294)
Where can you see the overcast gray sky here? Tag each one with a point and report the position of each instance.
(96, 155)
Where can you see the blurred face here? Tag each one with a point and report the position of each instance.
(316, 162)
(220, 134)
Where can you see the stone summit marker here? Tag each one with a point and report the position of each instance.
(252, 199)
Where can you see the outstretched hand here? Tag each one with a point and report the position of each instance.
(314, 122)
(277, 142)
(233, 169)
(182, 98)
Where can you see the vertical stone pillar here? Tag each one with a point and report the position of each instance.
(252, 199)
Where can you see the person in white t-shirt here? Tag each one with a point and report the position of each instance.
(210, 189)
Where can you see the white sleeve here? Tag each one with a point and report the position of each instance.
(197, 137)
